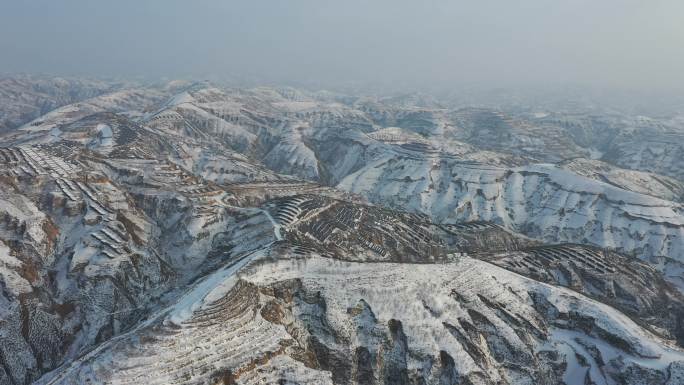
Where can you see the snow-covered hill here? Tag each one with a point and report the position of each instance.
(541, 201)
(193, 233)
(23, 98)
(312, 320)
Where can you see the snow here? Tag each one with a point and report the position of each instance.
(103, 140)
(595, 153)
(296, 106)
(421, 296)
(216, 285)
(285, 370)
(181, 98)
(209, 289)
(613, 208)
(291, 156)
(9, 265)
(22, 210)
(277, 229)
(404, 291)
(541, 200)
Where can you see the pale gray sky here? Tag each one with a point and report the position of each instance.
(627, 43)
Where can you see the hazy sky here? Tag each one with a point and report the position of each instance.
(630, 43)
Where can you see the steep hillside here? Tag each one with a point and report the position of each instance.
(540, 201)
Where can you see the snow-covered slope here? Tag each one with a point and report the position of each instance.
(89, 245)
(190, 233)
(648, 183)
(314, 320)
(659, 150)
(541, 201)
(24, 98)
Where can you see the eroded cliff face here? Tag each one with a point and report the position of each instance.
(226, 236)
